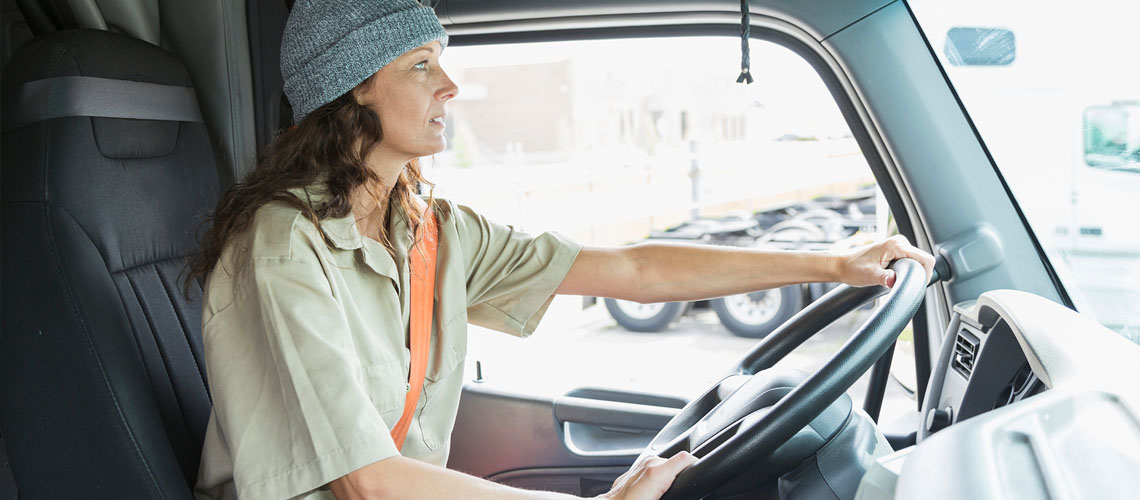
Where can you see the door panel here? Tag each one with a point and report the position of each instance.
(574, 444)
(598, 422)
(580, 481)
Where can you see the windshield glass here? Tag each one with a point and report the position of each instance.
(1054, 91)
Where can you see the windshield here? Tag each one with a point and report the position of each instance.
(1054, 91)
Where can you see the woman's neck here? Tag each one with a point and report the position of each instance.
(370, 211)
(371, 208)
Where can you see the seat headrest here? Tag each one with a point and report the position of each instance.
(102, 56)
(136, 18)
(139, 187)
(95, 53)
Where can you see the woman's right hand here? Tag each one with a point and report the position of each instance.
(649, 478)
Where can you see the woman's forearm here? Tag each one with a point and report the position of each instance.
(663, 272)
(405, 478)
(670, 272)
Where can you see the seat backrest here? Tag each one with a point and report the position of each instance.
(107, 175)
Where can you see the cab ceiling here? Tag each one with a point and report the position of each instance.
(820, 18)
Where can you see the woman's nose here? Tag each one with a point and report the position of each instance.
(448, 90)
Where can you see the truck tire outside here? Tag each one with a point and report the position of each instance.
(755, 315)
(644, 317)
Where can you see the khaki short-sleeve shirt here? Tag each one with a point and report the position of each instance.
(305, 342)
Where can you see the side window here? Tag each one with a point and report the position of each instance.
(621, 141)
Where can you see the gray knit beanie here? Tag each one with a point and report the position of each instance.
(330, 46)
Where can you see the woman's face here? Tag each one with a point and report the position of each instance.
(410, 95)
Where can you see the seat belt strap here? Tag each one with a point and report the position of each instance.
(423, 259)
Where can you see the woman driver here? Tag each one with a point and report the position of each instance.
(306, 307)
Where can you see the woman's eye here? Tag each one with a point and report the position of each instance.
(421, 65)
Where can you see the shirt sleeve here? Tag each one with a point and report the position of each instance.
(511, 275)
(287, 388)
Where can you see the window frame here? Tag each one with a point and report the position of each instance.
(842, 92)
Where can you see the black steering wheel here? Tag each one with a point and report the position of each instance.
(751, 418)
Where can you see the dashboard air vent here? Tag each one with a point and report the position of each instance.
(965, 352)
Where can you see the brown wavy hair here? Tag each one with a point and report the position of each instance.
(330, 143)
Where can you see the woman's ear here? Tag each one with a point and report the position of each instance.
(362, 93)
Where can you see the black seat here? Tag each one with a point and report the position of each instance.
(102, 382)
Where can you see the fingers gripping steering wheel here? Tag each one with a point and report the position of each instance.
(761, 413)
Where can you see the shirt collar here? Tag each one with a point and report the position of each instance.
(343, 233)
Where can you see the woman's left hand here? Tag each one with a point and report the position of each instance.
(867, 265)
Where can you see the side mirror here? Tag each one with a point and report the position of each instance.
(1112, 136)
(980, 46)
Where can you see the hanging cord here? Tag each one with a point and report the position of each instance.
(745, 75)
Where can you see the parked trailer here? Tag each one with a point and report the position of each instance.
(815, 225)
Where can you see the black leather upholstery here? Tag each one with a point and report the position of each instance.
(102, 386)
